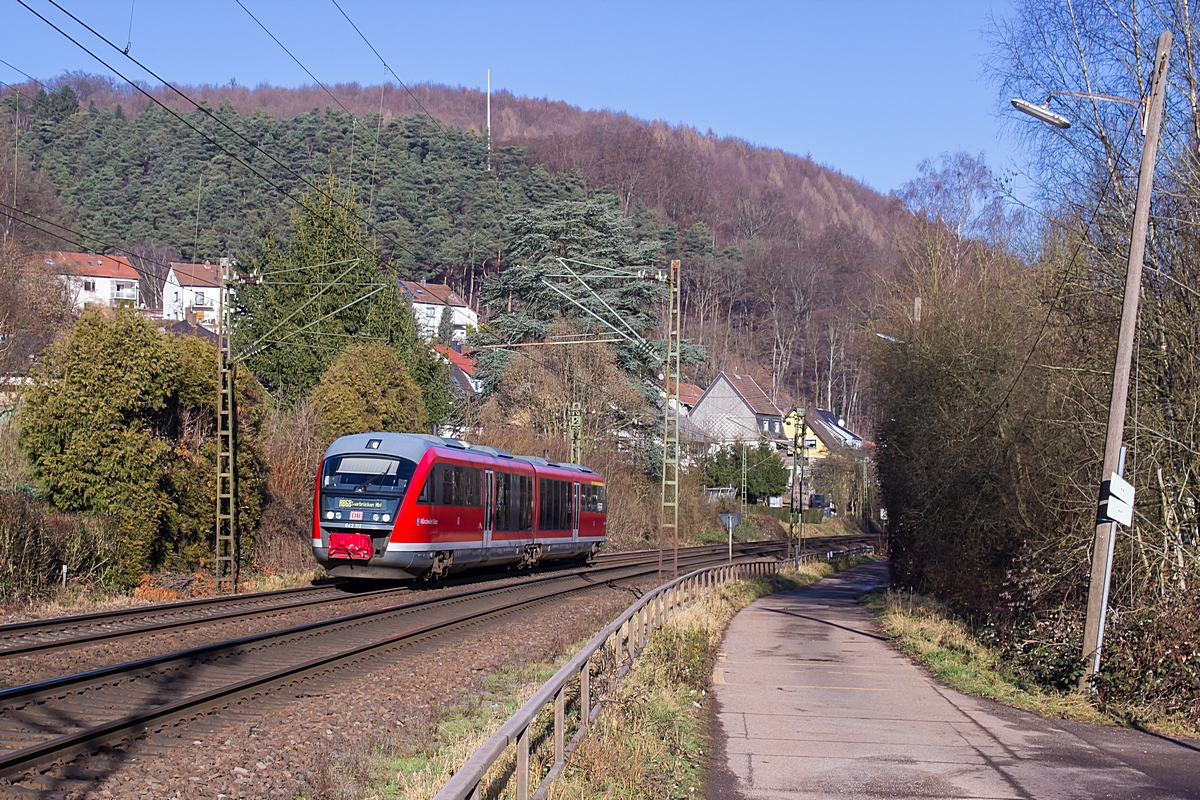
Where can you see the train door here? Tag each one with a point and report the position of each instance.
(575, 511)
(489, 501)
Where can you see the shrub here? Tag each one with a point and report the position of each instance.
(34, 544)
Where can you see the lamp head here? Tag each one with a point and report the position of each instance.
(1041, 112)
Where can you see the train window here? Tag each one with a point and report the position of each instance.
(524, 485)
(514, 502)
(554, 507)
(367, 474)
(453, 485)
(592, 498)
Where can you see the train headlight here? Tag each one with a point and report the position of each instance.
(328, 515)
(375, 518)
(338, 515)
(387, 517)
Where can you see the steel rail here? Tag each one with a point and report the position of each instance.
(64, 747)
(16, 638)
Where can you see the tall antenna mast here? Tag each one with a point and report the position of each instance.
(489, 119)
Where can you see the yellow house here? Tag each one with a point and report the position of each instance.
(824, 433)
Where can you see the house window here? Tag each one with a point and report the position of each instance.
(177, 297)
(89, 286)
(810, 443)
(199, 298)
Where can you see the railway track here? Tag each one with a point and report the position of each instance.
(63, 632)
(55, 721)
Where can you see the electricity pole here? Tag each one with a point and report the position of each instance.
(575, 432)
(1102, 548)
(671, 413)
(799, 430)
(226, 541)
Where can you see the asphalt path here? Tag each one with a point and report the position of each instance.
(812, 702)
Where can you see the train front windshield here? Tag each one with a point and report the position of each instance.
(364, 490)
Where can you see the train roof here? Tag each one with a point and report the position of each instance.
(413, 446)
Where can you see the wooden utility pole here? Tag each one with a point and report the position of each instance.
(1102, 548)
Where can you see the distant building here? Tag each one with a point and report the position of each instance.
(191, 292)
(827, 433)
(689, 394)
(429, 300)
(734, 408)
(96, 280)
(462, 369)
(179, 328)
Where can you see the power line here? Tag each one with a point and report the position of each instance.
(27, 75)
(385, 64)
(275, 39)
(286, 193)
(332, 96)
(81, 242)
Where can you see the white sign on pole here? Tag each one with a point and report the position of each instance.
(1119, 507)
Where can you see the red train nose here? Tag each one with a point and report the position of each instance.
(356, 546)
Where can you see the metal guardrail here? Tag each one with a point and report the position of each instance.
(866, 549)
(626, 636)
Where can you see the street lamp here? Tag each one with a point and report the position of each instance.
(1116, 498)
(1042, 112)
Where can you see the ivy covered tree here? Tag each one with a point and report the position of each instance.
(766, 474)
(119, 421)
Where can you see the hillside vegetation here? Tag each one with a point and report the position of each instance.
(781, 256)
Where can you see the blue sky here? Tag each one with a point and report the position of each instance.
(867, 87)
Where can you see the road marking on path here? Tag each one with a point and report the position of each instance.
(718, 675)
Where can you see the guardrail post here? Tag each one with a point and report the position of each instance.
(632, 644)
(477, 792)
(523, 764)
(585, 694)
(560, 724)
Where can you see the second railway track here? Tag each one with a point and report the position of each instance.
(67, 632)
(57, 720)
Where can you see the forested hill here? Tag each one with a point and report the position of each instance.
(781, 251)
(735, 188)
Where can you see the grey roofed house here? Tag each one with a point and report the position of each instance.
(832, 432)
(734, 408)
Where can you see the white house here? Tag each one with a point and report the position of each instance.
(191, 292)
(430, 300)
(96, 280)
(734, 408)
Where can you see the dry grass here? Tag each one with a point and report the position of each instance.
(927, 632)
(924, 630)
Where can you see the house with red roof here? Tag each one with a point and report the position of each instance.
(94, 280)
(734, 408)
(689, 394)
(462, 368)
(190, 293)
(431, 300)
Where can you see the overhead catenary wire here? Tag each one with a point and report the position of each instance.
(287, 194)
(385, 64)
(336, 99)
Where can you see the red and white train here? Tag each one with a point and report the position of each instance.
(402, 505)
